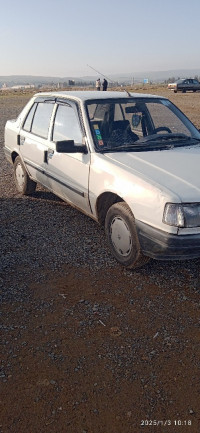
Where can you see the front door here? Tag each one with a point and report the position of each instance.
(68, 173)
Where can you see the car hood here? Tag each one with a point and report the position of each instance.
(176, 170)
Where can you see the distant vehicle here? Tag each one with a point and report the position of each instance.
(185, 85)
(129, 161)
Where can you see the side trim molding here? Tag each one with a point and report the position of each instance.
(81, 193)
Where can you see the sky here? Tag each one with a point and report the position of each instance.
(60, 38)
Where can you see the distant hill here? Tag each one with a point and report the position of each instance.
(156, 76)
(13, 80)
(159, 76)
(129, 77)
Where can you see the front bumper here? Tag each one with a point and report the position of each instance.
(161, 245)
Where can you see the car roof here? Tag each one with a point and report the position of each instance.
(85, 95)
(183, 79)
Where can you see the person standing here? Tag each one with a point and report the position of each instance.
(105, 84)
(98, 84)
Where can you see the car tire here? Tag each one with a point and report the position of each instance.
(175, 91)
(24, 184)
(122, 236)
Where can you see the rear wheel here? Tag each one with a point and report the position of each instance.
(24, 184)
(122, 236)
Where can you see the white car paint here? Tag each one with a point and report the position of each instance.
(145, 180)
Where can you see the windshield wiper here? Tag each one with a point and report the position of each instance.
(129, 148)
(123, 147)
(158, 142)
(166, 137)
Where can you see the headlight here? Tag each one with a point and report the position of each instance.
(182, 215)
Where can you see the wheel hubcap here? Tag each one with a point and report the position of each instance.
(20, 176)
(120, 236)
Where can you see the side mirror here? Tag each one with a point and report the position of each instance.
(68, 146)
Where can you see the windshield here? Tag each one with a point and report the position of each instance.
(139, 124)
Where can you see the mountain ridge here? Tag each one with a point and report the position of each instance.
(156, 76)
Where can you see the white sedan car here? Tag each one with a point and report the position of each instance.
(129, 161)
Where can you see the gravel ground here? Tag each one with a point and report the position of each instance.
(87, 346)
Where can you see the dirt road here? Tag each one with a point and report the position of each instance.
(87, 346)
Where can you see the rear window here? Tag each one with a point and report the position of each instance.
(29, 119)
(38, 119)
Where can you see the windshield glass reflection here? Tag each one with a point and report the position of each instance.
(120, 124)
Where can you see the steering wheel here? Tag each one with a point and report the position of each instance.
(162, 128)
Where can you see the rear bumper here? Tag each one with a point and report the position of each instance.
(172, 87)
(165, 246)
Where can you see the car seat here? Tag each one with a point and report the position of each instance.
(121, 134)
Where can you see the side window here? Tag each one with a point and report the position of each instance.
(29, 119)
(66, 125)
(41, 119)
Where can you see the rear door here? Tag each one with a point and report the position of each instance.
(33, 139)
(68, 173)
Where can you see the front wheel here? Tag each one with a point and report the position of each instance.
(122, 236)
(24, 184)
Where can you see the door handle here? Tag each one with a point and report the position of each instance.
(48, 154)
(20, 140)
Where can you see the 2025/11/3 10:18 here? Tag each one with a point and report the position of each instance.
(176, 422)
